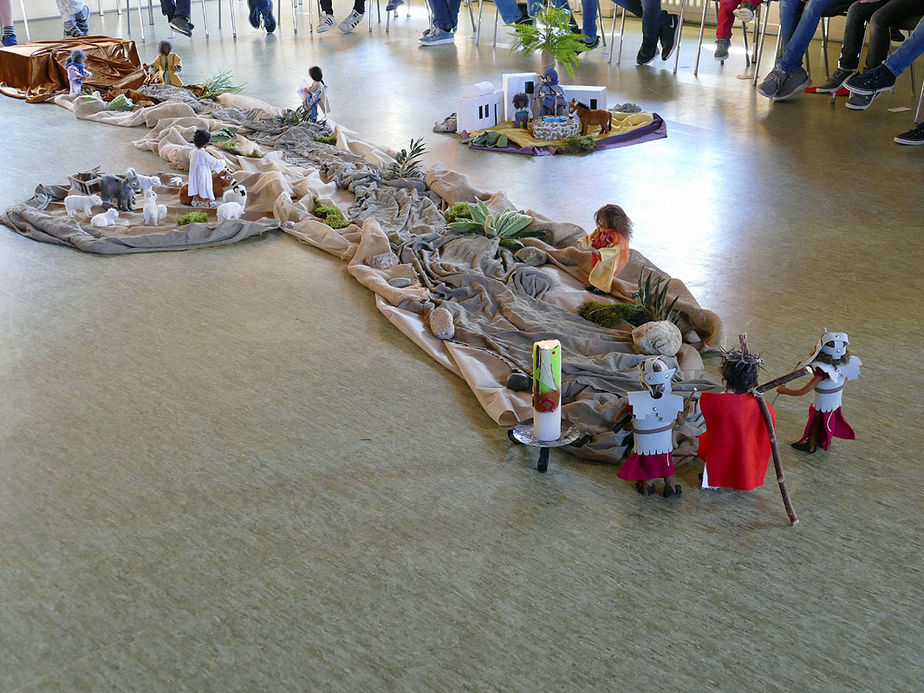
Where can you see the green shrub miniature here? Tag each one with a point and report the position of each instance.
(330, 215)
(326, 139)
(192, 218)
(612, 314)
(460, 210)
(576, 144)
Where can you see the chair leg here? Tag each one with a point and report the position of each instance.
(294, 17)
(141, 20)
(622, 35)
(233, 20)
(699, 47)
(151, 12)
(99, 7)
(913, 82)
(683, 4)
(747, 49)
(917, 113)
(760, 49)
(825, 24)
(25, 20)
(471, 13)
(478, 28)
(496, 15)
(600, 21)
(205, 18)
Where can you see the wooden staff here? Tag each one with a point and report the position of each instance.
(783, 379)
(768, 422)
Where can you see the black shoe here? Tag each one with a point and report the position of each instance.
(592, 43)
(668, 35)
(896, 36)
(646, 488)
(913, 137)
(254, 15)
(803, 447)
(182, 25)
(648, 51)
(594, 290)
(880, 78)
(269, 21)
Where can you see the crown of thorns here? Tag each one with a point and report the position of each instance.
(740, 359)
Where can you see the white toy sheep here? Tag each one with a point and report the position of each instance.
(153, 212)
(146, 182)
(106, 218)
(230, 210)
(81, 203)
(175, 182)
(236, 193)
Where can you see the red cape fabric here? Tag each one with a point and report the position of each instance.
(736, 445)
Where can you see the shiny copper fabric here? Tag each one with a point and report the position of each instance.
(35, 71)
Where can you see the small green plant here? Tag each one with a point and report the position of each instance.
(326, 139)
(652, 298)
(460, 210)
(491, 138)
(255, 154)
(330, 215)
(550, 32)
(508, 226)
(229, 146)
(612, 314)
(220, 84)
(121, 103)
(192, 218)
(576, 144)
(407, 161)
(295, 116)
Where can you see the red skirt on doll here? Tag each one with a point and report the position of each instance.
(828, 425)
(645, 467)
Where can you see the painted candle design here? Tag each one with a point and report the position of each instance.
(547, 389)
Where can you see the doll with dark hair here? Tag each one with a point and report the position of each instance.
(314, 95)
(77, 71)
(832, 366)
(521, 111)
(736, 444)
(167, 65)
(201, 165)
(609, 243)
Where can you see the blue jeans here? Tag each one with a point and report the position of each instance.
(445, 14)
(509, 11)
(169, 8)
(908, 52)
(536, 5)
(653, 17)
(798, 32)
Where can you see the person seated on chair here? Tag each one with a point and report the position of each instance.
(883, 16)
(177, 14)
(798, 22)
(657, 27)
(6, 19)
(446, 17)
(261, 10)
(729, 10)
(76, 16)
(352, 20)
(882, 77)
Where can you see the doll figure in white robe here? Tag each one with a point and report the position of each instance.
(201, 165)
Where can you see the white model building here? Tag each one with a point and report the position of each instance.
(592, 97)
(520, 83)
(480, 106)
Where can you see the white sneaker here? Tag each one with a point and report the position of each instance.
(744, 13)
(326, 23)
(352, 20)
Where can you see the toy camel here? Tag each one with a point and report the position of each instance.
(588, 117)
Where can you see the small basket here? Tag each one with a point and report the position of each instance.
(85, 182)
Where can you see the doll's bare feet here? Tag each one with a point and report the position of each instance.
(646, 488)
(671, 486)
(804, 447)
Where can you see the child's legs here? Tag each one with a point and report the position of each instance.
(68, 8)
(6, 12)
(327, 6)
(725, 20)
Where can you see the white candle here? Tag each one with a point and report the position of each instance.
(547, 389)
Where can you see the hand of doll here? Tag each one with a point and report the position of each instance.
(178, 68)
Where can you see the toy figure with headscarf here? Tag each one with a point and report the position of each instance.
(167, 65)
(551, 96)
(77, 71)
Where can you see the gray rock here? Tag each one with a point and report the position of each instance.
(382, 261)
(400, 282)
(288, 224)
(692, 337)
(519, 382)
(441, 324)
(534, 257)
(409, 183)
(660, 338)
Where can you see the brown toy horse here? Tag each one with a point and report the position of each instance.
(221, 181)
(588, 117)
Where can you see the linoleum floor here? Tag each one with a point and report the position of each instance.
(223, 470)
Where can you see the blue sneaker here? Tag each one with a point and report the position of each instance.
(269, 21)
(253, 16)
(880, 78)
(437, 37)
(393, 5)
(9, 40)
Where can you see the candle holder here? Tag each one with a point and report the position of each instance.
(524, 433)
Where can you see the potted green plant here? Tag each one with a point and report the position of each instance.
(550, 34)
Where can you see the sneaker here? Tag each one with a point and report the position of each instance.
(71, 31)
(590, 44)
(668, 35)
(82, 21)
(253, 15)
(393, 5)
(860, 102)
(793, 83)
(326, 23)
(895, 35)
(9, 40)
(880, 78)
(835, 81)
(438, 37)
(721, 49)
(182, 25)
(744, 12)
(913, 137)
(352, 21)
(647, 51)
(269, 21)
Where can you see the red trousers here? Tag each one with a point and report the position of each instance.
(726, 20)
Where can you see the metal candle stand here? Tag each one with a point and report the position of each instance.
(524, 434)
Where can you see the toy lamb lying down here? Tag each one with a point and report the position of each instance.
(153, 212)
(81, 203)
(107, 218)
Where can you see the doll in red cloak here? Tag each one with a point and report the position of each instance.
(736, 444)
(609, 244)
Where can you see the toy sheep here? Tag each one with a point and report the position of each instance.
(81, 203)
(145, 182)
(153, 212)
(175, 182)
(237, 193)
(106, 218)
(230, 210)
